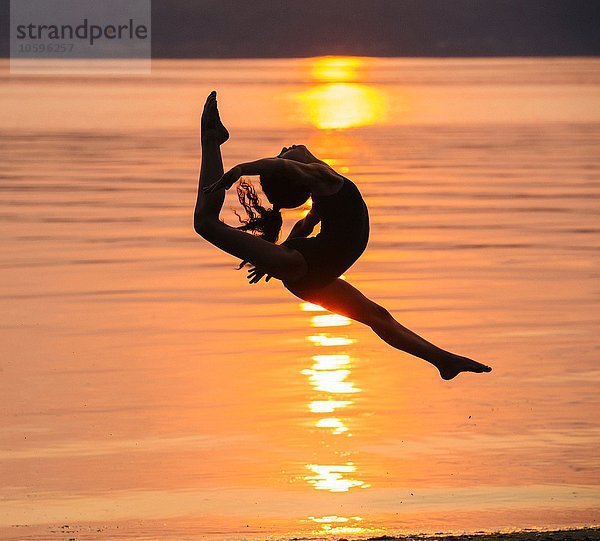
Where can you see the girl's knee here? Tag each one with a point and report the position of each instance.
(379, 316)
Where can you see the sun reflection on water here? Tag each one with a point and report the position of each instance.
(332, 518)
(337, 425)
(329, 320)
(330, 381)
(335, 525)
(345, 100)
(337, 68)
(328, 406)
(326, 340)
(331, 477)
(343, 105)
(330, 362)
(329, 374)
(310, 307)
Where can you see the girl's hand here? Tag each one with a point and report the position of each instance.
(226, 181)
(255, 275)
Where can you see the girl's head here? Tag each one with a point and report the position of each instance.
(282, 192)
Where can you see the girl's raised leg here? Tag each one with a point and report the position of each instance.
(279, 261)
(212, 135)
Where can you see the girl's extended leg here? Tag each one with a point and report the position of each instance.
(344, 299)
(279, 261)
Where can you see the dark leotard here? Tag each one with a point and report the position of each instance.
(343, 238)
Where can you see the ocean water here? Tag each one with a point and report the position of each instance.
(148, 392)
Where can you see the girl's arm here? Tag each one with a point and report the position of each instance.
(305, 226)
(303, 171)
(274, 166)
(302, 228)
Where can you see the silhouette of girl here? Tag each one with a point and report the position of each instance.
(308, 267)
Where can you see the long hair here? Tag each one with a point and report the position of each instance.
(262, 222)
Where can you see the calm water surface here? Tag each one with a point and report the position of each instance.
(148, 392)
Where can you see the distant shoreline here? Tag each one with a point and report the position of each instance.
(358, 55)
(341, 55)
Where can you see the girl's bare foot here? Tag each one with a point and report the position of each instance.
(454, 365)
(211, 125)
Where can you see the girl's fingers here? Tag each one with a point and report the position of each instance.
(255, 275)
(256, 278)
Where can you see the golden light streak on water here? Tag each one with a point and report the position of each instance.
(331, 477)
(333, 518)
(328, 406)
(310, 307)
(329, 320)
(329, 373)
(330, 362)
(332, 422)
(331, 381)
(336, 525)
(326, 340)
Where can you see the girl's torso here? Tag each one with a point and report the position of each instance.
(343, 214)
(343, 237)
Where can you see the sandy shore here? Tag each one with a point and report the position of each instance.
(585, 534)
